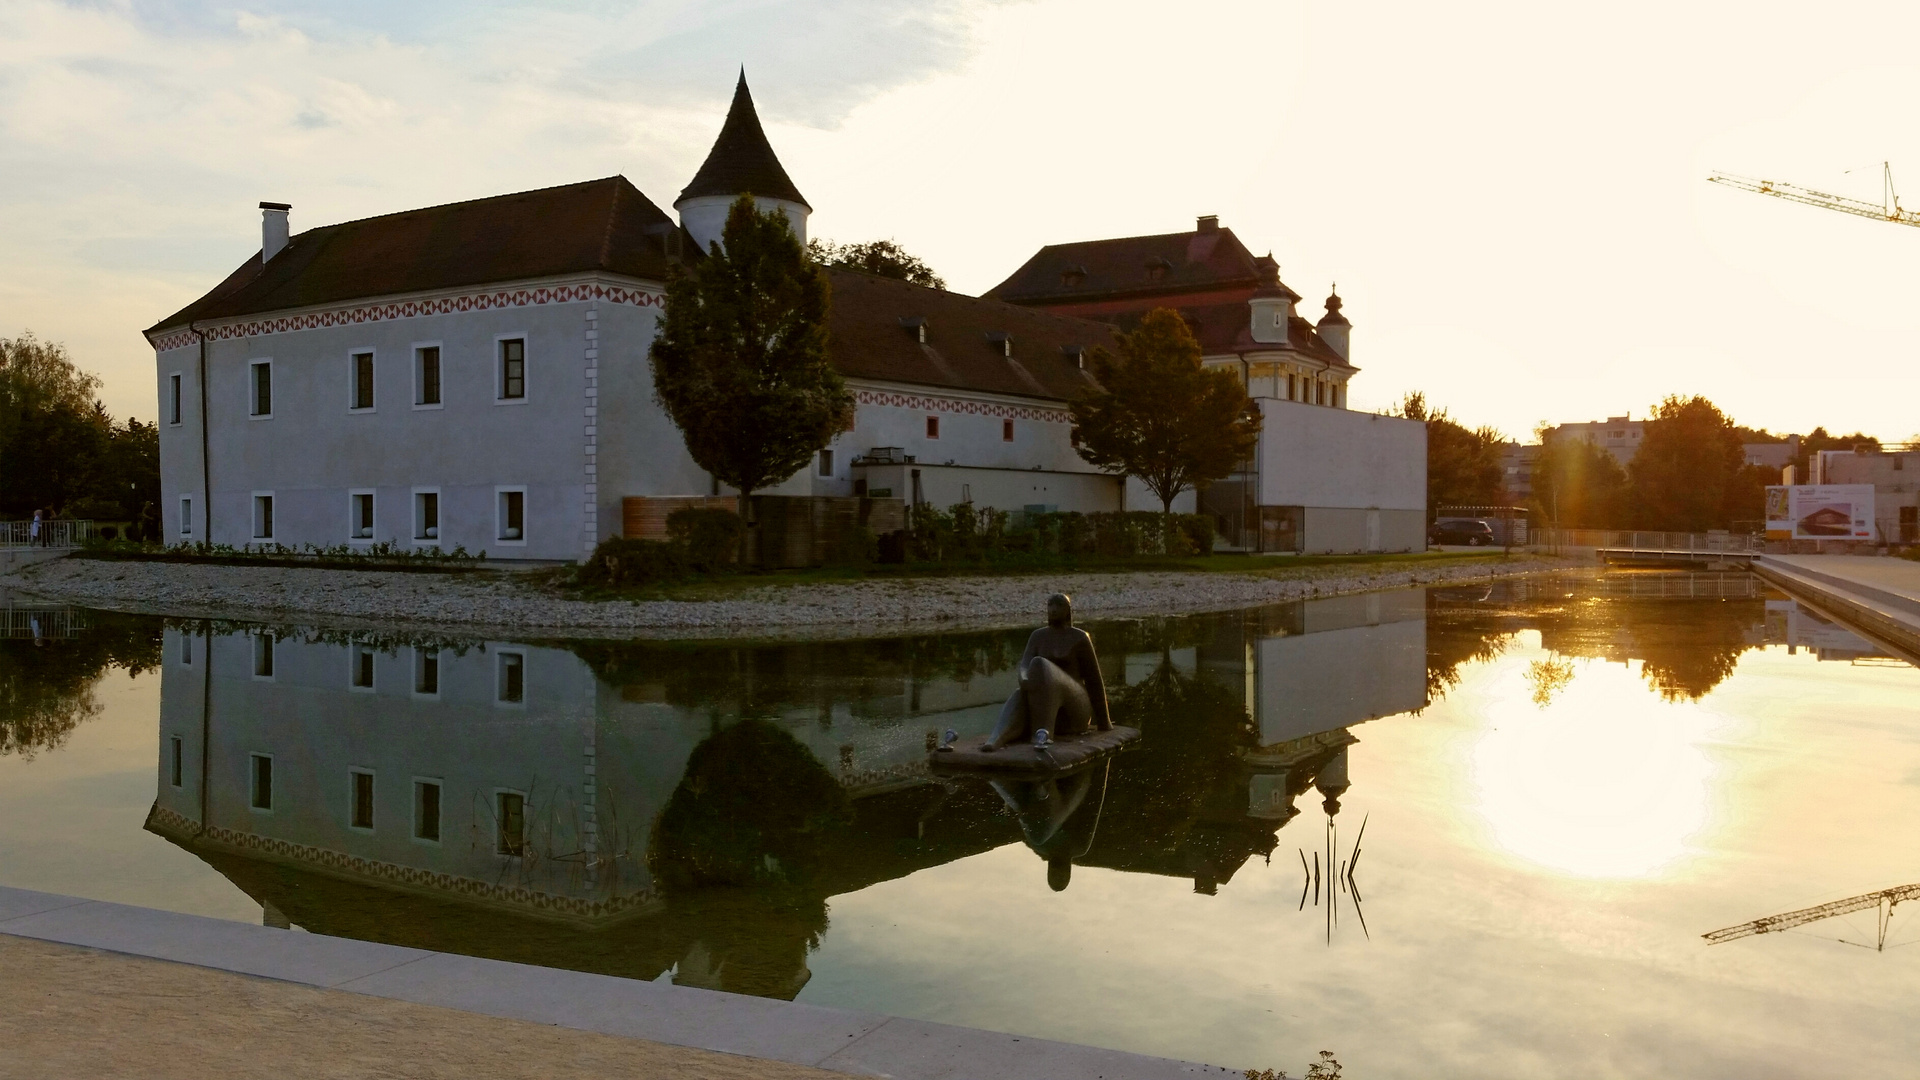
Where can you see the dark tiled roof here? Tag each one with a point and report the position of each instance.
(868, 340)
(598, 225)
(1228, 328)
(741, 159)
(1186, 261)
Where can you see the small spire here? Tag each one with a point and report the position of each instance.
(1333, 316)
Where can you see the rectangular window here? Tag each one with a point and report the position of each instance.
(360, 799)
(263, 517)
(426, 515)
(263, 656)
(360, 512)
(826, 463)
(173, 399)
(513, 689)
(512, 817)
(426, 375)
(513, 370)
(426, 671)
(174, 770)
(426, 810)
(363, 667)
(263, 388)
(513, 514)
(933, 427)
(1292, 390)
(186, 650)
(1006, 431)
(186, 515)
(260, 785)
(362, 380)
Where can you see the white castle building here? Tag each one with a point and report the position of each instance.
(476, 376)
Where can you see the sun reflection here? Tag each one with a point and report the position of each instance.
(1606, 780)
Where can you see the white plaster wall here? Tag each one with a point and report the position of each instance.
(705, 218)
(1311, 455)
(313, 450)
(640, 450)
(1001, 489)
(180, 471)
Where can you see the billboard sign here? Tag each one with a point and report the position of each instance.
(1820, 512)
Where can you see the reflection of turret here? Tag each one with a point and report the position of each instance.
(1332, 782)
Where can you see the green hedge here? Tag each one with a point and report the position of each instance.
(962, 533)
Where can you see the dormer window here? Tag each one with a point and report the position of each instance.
(1000, 341)
(1073, 276)
(1075, 353)
(917, 326)
(1158, 269)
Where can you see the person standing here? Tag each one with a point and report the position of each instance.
(33, 530)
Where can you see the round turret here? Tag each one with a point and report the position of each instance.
(741, 162)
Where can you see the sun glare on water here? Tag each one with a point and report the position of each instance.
(1606, 780)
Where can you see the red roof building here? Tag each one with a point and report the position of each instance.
(1240, 310)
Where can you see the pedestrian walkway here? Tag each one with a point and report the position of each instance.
(464, 991)
(1878, 594)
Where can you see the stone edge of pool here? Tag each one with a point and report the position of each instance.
(1884, 609)
(834, 1039)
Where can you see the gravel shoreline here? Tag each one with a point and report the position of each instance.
(867, 608)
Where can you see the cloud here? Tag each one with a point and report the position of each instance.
(137, 137)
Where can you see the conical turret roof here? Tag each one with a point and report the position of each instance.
(742, 160)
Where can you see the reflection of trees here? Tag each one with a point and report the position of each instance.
(1466, 626)
(754, 808)
(1687, 646)
(46, 687)
(747, 679)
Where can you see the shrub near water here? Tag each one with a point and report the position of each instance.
(699, 541)
(965, 534)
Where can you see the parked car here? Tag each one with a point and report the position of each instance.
(1470, 531)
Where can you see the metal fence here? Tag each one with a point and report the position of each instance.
(41, 623)
(60, 533)
(1707, 542)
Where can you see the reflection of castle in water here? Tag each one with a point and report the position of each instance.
(639, 810)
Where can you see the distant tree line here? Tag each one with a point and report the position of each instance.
(59, 448)
(1689, 473)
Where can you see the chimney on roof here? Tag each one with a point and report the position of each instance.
(1207, 223)
(273, 229)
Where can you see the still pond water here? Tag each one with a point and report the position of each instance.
(1563, 784)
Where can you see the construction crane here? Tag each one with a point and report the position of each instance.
(1887, 209)
(1883, 902)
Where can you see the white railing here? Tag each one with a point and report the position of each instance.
(40, 623)
(60, 533)
(1648, 540)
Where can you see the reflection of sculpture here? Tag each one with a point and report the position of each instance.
(1060, 686)
(1044, 808)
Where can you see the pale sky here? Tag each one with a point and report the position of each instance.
(1512, 197)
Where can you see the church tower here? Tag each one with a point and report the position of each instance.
(741, 162)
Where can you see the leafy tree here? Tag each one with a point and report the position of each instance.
(1579, 485)
(885, 258)
(1463, 465)
(1161, 415)
(740, 360)
(52, 431)
(1819, 440)
(1690, 473)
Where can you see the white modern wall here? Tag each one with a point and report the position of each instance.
(1315, 456)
